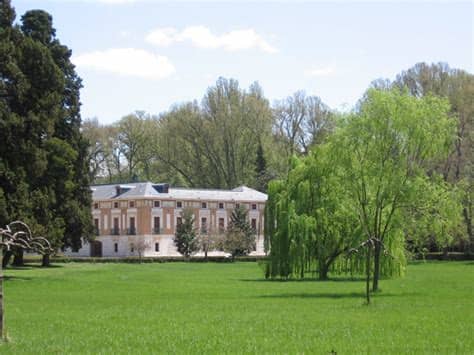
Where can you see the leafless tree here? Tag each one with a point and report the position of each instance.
(140, 245)
(18, 235)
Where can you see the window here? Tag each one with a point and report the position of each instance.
(179, 204)
(116, 247)
(156, 203)
(204, 205)
(132, 248)
(132, 204)
(179, 221)
(237, 205)
(221, 205)
(156, 225)
(96, 206)
(254, 206)
(116, 229)
(204, 225)
(115, 204)
(157, 247)
(254, 224)
(221, 224)
(96, 226)
(132, 230)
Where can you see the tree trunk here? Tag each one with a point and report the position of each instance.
(445, 253)
(205, 254)
(377, 252)
(323, 270)
(6, 258)
(1, 297)
(470, 234)
(367, 271)
(18, 260)
(46, 261)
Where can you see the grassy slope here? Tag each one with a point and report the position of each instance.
(227, 308)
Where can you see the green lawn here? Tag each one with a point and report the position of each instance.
(229, 308)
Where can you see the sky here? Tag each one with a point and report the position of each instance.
(150, 55)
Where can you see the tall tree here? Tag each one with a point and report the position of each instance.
(135, 133)
(262, 175)
(458, 86)
(301, 121)
(43, 170)
(384, 148)
(210, 144)
(71, 198)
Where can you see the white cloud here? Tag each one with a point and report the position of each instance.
(202, 37)
(116, 1)
(324, 71)
(162, 37)
(127, 62)
(125, 34)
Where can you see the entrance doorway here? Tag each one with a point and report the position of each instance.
(96, 249)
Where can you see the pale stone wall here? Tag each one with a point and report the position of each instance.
(166, 247)
(83, 252)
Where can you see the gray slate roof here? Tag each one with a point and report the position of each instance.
(147, 190)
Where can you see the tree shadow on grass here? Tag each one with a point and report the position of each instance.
(309, 279)
(332, 295)
(33, 267)
(17, 278)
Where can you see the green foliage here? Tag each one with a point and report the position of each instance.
(457, 86)
(309, 219)
(215, 144)
(186, 240)
(43, 169)
(365, 181)
(384, 149)
(436, 218)
(261, 173)
(227, 307)
(38, 24)
(239, 238)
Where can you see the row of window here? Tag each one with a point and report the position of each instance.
(132, 248)
(157, 247)
(179, 204)
(157, 225)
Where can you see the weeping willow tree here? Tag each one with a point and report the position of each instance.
(310, 221)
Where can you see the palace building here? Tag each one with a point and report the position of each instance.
(145, 215)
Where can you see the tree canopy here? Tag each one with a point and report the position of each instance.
(358, 185)
(44, 167)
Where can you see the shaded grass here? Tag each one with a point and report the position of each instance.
(225, 308)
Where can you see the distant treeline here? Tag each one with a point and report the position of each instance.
(234, 136)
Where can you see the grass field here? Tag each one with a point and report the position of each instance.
(228, 308)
